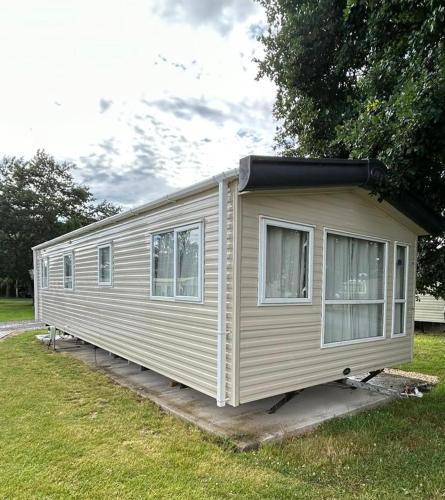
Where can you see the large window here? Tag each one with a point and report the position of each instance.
(400, 289)
(105, 266)
(68, 271)
(355, 289)
(285, 274)
(177, 264)
(44, 272)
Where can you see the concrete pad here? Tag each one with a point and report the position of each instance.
(248, 425)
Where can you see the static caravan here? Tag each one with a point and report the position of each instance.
(280, 275)
(430, 313)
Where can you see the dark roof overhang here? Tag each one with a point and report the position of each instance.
(270, 172)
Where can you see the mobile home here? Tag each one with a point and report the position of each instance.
(430, 313)
(280, 275)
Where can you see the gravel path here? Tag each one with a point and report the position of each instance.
(16, 326)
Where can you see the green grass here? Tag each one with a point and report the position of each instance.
(16, 309)
(67, 431)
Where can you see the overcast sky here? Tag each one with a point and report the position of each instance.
(145, 96)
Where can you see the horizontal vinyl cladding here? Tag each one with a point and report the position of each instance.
(429, 309)
(176, 339)
(280, 346)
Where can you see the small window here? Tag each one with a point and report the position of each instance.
(354, 289)
(44, 272)
(68, 271)
(285, 274)
(400, 289)
(105, 257)
(177, 264)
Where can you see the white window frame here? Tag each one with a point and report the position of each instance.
(175, 231)
(268, 301)
(110, 282)
(44, 286)
(400, 301)
(325, 302)
(72, 271)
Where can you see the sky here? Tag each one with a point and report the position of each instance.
(144, 96)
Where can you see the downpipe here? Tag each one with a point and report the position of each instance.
(222, 277)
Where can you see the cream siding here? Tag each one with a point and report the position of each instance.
(271, 349)
(176, 339)
(280, 344)
(429, 309)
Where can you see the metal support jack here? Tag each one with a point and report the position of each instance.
(285, 399)
(371, 375)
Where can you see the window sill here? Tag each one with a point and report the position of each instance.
(185, 300)
(353, 342)
(286, 303)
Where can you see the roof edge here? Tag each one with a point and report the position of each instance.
(271, 172)
(159, 202)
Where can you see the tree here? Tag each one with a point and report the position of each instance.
(39, 200)
(365, 79)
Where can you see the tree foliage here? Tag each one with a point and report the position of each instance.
(365, 79)
(39, 200)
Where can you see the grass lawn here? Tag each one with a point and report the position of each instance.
(68, 431)
(16, 309)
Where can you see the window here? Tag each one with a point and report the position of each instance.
(104, 257)
(400, 289)
(285, 264)
(355, 289)
(177, 264)
(68, 271)
(44, 272)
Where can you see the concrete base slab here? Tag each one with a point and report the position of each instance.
(248, 425)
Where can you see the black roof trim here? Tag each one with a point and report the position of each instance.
(275, 172)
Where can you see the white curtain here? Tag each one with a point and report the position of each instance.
(68, 271)
(400, 272)
(399, 318)
(286, 263)
(187, 263)
(354, 271)
(163, 255)
(44, 272)
(352, 321)
(354, 268)
(104, 265)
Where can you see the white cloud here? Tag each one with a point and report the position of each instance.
(134, 87)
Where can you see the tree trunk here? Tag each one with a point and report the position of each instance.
(16, 289)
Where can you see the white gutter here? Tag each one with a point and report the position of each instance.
(222, 276)
(165, 200)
